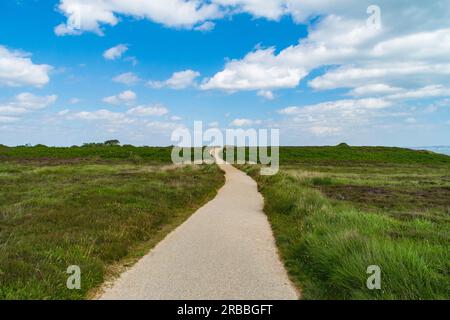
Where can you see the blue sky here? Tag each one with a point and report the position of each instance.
(75, 71)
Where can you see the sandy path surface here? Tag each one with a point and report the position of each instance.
(225, 250)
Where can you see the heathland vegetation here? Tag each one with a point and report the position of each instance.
(109, 150)
(337, 210)
(99, 207)
(334, 212)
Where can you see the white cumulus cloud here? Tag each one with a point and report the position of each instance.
(145, 111)
(26, 102)
(115, 52)
(267, 94)
(124, 97)
(102, 115)
(88, 15)
(242, 122)
(205, 27)
(332, 117)
(128, 78)
(408, 50)
(17, 69)
(178, 80)
(260, 69)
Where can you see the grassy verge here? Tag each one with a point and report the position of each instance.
(89, 214)
(335, 214)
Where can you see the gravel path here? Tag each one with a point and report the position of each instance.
(225, 250)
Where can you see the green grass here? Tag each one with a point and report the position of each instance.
(75, 153)
(336, 210)
(89, 213)
(346, 155)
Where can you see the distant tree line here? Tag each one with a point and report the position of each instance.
(107, 143)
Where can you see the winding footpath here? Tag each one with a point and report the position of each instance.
(225, 250)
